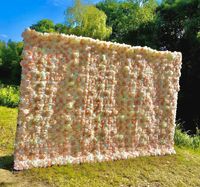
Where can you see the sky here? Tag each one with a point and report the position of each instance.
(17, 15)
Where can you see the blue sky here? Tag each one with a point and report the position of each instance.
(16, 15)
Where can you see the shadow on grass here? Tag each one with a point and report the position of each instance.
(6, 162)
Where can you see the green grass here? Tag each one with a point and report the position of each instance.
(181, 169)
(8, 122)
(9, 95)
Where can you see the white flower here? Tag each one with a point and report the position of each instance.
(70, 105)
(90, 157)
(99, 157)
(26, 111)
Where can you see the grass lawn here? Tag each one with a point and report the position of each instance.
(182, 169)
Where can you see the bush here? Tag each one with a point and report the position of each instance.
(9, 95)
(182, 139)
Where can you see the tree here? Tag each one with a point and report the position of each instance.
(198, 36)
(127, 16)
(74, 14)
(178, 26)
(2, 46)
(10, 57)
(87, 20)
(61, 28)
(44, 25)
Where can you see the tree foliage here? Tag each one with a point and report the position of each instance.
(48, 26)
(127, 16)
(81, 20)
(44, 25)
(178, 24)
(10, 56)
(87, 20)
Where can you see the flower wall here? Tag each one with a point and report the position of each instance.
(85, 100)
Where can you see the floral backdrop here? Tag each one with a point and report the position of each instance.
(85, 100)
